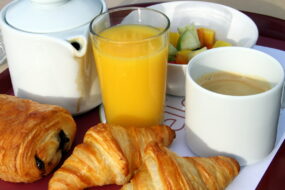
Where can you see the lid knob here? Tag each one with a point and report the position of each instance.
(49, 1)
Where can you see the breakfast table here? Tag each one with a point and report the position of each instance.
(271, 174)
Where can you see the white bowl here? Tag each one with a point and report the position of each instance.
(229, 24)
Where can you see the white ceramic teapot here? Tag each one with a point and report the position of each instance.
(49, 53)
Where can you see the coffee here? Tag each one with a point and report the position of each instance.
(233, 84)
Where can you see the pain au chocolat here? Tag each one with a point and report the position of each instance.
(33, 137)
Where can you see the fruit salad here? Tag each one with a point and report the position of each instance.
(189, 41)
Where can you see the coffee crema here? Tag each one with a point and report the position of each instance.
(233, 84)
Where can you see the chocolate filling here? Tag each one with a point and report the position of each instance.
(63, 139)
(40, 164)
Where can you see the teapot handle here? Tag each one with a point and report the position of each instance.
(79, 45)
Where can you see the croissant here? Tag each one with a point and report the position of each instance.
(109, 154)
(32, 138)
(164, 170)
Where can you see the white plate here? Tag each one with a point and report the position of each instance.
(249, 176)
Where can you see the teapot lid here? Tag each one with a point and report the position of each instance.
(46, 16)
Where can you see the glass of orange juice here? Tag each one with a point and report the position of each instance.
(130, 47)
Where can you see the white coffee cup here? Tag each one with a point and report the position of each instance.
(243, 127)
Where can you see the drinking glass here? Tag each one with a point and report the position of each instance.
(130, 47)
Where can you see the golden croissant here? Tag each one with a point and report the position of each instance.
(32, 138)
(164, 170)
(109, 154)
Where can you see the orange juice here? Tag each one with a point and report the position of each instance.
(132, 63)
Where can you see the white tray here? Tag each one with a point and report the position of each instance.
(249, 176)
